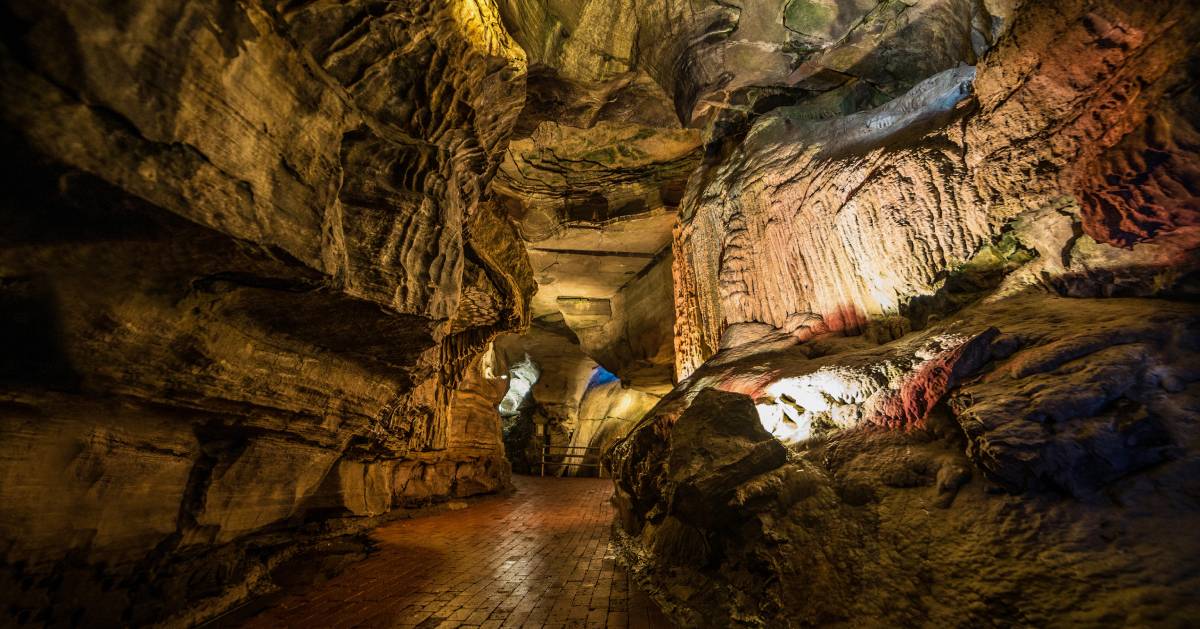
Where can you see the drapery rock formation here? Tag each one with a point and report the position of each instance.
(906, 295)
(814, 226)
(886, 308)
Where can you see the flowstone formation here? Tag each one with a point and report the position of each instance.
(938, 351)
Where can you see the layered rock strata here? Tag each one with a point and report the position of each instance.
(249, 266)
(573, 402)
(915, 279)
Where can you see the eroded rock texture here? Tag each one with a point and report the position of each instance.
(887, 306)
(917, 387)
(816, 226)
(249, 266)
(1069, 436)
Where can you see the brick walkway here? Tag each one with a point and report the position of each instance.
(538, 558)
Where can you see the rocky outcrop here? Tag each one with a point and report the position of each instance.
(593, 191)
(913, 390)
(563, 369)
(595, 146)
(595, 208)
(1068, 437)
(813, 226)
(249, 265)
(636, 342)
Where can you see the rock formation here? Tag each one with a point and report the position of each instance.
(904, 295)
(567, 400)
(1042, 485)
(882, 310)
(250, 264)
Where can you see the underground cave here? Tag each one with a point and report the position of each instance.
(600, 313)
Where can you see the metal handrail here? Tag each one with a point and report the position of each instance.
(563, 454)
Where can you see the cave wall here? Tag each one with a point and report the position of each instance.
(249, 268)
(935, 347)
(819, 226)
(575, 400)
(637, 342)
(564, 369)
(607, 412)
(259, 260)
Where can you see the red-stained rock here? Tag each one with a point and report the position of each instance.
(1072, 440)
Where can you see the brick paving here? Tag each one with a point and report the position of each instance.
(539, 558)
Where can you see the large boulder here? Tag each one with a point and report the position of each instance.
(1071, 439)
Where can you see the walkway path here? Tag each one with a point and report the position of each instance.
(538, 558)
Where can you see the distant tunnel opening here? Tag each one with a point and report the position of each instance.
(558, 418)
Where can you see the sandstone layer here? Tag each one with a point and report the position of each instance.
(249, 267)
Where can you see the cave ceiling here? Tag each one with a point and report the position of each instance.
(625, 100)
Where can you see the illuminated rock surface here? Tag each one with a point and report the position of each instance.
(1073, 441)
(249, 269)
(1022, 460)
(887, 306)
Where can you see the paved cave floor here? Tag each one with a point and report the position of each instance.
(537, 558)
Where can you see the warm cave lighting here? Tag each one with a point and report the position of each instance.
(522, 377)
(792, 408)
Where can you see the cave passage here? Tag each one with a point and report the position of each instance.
(540, 557)
(566, 437)
(869, 313)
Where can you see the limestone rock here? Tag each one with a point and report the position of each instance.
(1080, 414)
(827, 224)
(881, 310)
(607, 412)
(248, 258)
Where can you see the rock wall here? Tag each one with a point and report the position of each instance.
(249, 265)
(257, 259)
(1047, 458)
(637, 343)
(574, 400)
(922, 378)
(817, 226)
(607, 412)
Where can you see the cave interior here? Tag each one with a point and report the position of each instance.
(867, 312)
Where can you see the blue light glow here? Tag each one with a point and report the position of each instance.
(600, 376)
